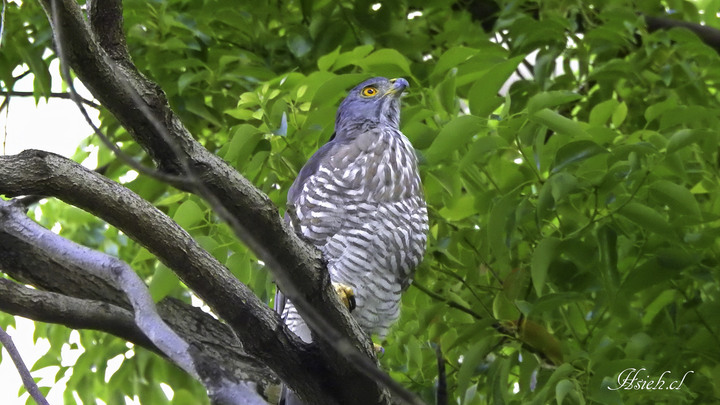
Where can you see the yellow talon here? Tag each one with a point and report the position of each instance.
(379, 350)
(347, 296)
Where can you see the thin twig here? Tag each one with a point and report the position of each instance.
(467, 285)
(5, 106)
(451, 304)
(21, 75)
(441, 394)
(700, 316)
(27, 379)
(66, 96)
(2, 23)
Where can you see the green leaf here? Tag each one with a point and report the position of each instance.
(602, 112)
(243, 140)
(676, 197)
(619, 115)
(497, 230)
(240, 113)
(141, 256)
(503, 308)
(481, 149)
(188, 78)
(683, 138)
(499, 372)
(545, 202)
(184, 397)
(646, 217)
(199, 108)
(352, 57)
(452, 58)
(239, 265)
(608, 253)
(553, 301)
(558, 123)
(248, 99)
(656, 110)
(32, 56)
(543, 255)
(528, 369)
(419, 134)
(388, 62)
(335, 88)
(483, 95)
(170, 199)
(551, 99)
(414, 352)
(188, 214)
(562, 389)
(445, 92)
(210, 244)
(575, 152)
(460, 208)
(48, 360)
(453, 135)
(661, 301)
(163, 282)
(563, 371)
(306, 6)
(562, 184)
(607, 393)
(470, 362)
(325, 62)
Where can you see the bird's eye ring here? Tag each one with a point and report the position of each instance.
(369, 91)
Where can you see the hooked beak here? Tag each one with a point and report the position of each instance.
(398, 85)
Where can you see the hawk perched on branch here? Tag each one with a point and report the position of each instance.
(359, 200)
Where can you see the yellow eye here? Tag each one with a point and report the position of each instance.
(369, 91)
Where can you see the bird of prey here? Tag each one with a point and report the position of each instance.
(359, 200)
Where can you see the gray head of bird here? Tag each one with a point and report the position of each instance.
(371, 104)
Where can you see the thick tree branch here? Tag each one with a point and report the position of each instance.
(30, 265)
(14, 222)
(710, 36)
(101, 306)
(297, 268)
(76, 313)
(215, 341)
(106, 21)
(198, 359)
(25, 375)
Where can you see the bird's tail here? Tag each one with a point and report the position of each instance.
(298, 326)
(287, 397)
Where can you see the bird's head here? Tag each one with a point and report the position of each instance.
(372, 103)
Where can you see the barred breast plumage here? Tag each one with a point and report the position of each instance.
(360, 201)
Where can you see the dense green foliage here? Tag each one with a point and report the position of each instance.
(574, 221)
